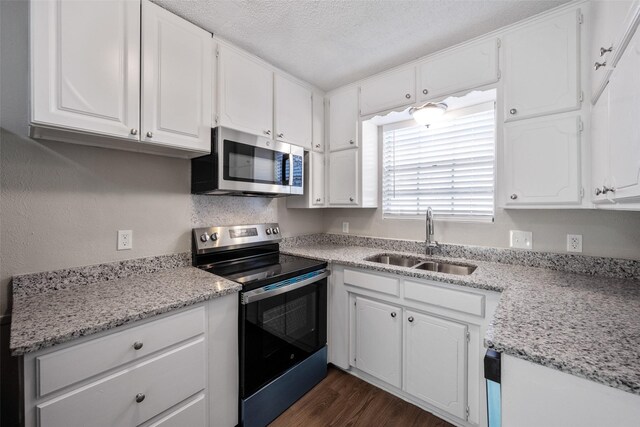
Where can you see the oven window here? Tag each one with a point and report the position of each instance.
(281, 331)
(247, 163)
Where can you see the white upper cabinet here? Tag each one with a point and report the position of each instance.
(435, 361)
(318, 122)
(542, 161)
(343, 177)
(317, 179)
(607, 33)
(378, 339)
(293, 112)
(343, 119)
(389, 90)
(624, 124)
(600, 182)
(85, 66)
(541, 73)
(176, 76)
(459, 69)
(245, 91)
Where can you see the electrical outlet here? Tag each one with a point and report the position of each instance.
(125, 240)
(521, 239)
(345, 227)
(574, 242)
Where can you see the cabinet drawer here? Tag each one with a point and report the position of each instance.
(164, 380)
(386, 285)
(76, 363)
(192, 414)
(465, 302)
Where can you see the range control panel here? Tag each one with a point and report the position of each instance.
(209, 239)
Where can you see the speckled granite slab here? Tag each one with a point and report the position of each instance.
(581, 324)
(601, 266)
(59, 314)
(29, 284)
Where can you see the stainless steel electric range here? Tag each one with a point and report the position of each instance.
(283, 315)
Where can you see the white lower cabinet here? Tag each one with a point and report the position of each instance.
(435, 361)
(416, 338)
(378, 323)
(180, 369)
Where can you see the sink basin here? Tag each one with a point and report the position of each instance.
(395, 260)
(422, 264)
(442, 267)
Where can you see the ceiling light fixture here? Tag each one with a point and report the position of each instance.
(428, 113)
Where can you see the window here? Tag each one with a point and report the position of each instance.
(448, 166)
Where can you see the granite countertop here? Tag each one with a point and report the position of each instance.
(585, 325)
(42, 317)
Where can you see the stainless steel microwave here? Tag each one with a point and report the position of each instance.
(248, 165)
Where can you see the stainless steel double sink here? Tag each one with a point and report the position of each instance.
(423, 264)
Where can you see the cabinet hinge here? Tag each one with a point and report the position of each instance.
(466, 413)
(217, 118)
(580, 18)
(581, 96)
(499, 42)
(217, 53)
(499, 74)
(582, 193)
(468, 336)
(580, 126)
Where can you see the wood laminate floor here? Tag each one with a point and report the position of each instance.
(344, 400)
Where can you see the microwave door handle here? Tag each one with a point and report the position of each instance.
(285, 163)
(290, 170)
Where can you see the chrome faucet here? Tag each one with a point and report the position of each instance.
(430, 244)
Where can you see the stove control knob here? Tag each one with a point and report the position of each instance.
(204, 238)
(214, 237)
(268, 231)
(276, 230)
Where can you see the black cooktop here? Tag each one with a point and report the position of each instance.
(255, 272)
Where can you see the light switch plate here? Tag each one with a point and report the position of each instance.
(125, 240)
(521, 239)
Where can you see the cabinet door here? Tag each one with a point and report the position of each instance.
(293, 112)
(542, 161)
(600, 149)
(343, 119)
(176, 78)
(379, 340)
(318, 122)
(435, 362)
(317, 178)
(85, 66)
(541, 68)
(390, 90)
(343, 177)
(624, 124)
(460, 69)
(245, 89)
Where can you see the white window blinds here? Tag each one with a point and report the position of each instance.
(448, 166)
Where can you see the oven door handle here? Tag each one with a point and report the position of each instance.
(266, 292)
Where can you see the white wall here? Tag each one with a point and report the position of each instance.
(612, 234)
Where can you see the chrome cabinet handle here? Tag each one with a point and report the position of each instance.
(317, 200)
(598, 191)
(425, 91)
(140, 397)
(280, 135)
(513, 196)
(603, 50)
(606, 189)
(599, 65)
(149, 134)
(134, 131)
(513, 111)
(137, 345)
(410, 319)
(393, 314)
(267, 132)
(317, 145)
(351, 141)
(351, 199)
(408, 96)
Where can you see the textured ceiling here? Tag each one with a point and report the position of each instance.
(330, 43)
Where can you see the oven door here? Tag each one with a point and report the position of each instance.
(250, 163)
(280, 326)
